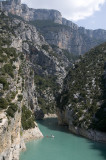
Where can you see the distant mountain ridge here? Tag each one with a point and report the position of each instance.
(67, 35)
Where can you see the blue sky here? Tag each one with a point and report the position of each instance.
(97, 20)
(89, 14)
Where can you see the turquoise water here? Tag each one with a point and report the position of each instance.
(64, 146)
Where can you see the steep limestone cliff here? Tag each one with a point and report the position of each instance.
(25, 56)
(15, 7)
(39, 56)
(18, 100)
(69, 36)
(59, 31)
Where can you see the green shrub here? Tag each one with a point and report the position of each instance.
(8, 69)
(45, 47)
(20, 97)
(27, 119)
(11, 110)
(3, 103)
(3, 59)
(5, 83)
(22, 56)
(13, 94)
(10, 52)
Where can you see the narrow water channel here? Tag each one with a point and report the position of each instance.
(64, 146)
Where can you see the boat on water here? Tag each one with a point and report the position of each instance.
(52, 136)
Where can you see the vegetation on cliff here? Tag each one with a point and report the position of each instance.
(11, 76)
(47, 89)
(27, 119)
(84, 91)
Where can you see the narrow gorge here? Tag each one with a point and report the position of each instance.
(45, 71)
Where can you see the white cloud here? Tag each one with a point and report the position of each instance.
(70, 9)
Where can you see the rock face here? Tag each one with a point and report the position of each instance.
(10, 139)
(65, 118)
(81, 104)
(24, 54)
(43, 61)
(66, 34)
(12, 6)
(32, 134)
(18, 99)
(32, 72)
(69, 36)
(15, 7)
(44, 14)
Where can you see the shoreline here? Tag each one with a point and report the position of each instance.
(50, 116)
(32, 134)
(64, 118)
(93, 135)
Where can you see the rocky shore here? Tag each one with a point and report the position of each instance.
(65, 118)
(32, 134)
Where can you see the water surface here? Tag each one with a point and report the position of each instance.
(65, 146)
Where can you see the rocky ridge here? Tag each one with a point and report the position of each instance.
(15, 7)
(68, 36)
(57, 30)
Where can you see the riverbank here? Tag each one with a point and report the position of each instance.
(50, 116)
(63, 146)
(65, 118)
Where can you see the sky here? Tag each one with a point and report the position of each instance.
(90, 14)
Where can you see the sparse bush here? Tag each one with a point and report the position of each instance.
(11, 110)
(5, 83)
(45, 47)
(3, 103)
(9, 69)
(20, 97)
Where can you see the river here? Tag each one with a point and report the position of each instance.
(64, 146)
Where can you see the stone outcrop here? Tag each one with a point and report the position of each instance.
(11, 141)
(32, 134)
(15, 7)
(12, 6)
